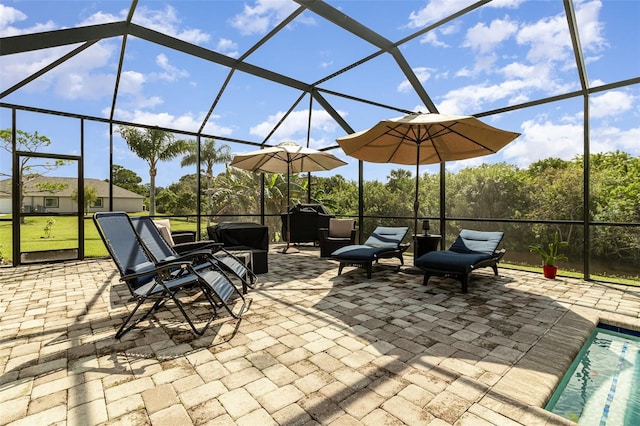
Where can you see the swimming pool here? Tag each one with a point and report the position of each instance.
(602, 385)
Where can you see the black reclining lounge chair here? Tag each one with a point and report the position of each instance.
(162, 251)
(470, 251)
(160, 282)
(384, 242)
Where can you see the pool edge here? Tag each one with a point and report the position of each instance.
(543, 366)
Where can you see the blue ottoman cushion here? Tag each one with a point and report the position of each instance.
(451, 261)
(358, 252)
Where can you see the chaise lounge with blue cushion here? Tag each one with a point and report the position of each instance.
(470, 251)
(384, 242)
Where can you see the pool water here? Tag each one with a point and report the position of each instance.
(602, 385)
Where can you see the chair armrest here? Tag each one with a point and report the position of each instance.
(323, 234)
(156, 268)
(210, 246)
(497, 255)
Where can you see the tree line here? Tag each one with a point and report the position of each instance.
(547, 190)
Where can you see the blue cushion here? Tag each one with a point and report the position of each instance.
(470, 241)
(387, 237)
(358, 252)
(448, 260)
(382, 240)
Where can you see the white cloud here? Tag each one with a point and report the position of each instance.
(10, 15)
(610, 104)
(132, 101)
(171, 73)
(450, 28)
(227, 47)
(327, 59)
(187, 121)
(446, 30)
(82, 86)
(542, 137)
(432, 39)
(84, 76)
(167, 22)
(545, 139)
(548, 39)
(264, 15)
(509, 4)
(422, 73)
(522, 71)
(464, 72)
(131, 82)
(434, 11)
(438, 9)
(548, 54)
(484, 64)
(470, 99)
(294, 128)
(483, 38)
(68, 79)
(606, 139)
(589, 26)
(103, 18)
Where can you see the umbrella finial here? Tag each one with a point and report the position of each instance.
(288, 143)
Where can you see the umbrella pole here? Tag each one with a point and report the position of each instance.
(416, 204)
(288, 248)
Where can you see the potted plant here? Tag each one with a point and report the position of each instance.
(550, 256)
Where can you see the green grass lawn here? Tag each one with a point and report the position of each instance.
(63, 235)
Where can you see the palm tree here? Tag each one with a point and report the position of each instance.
(209, 155)
(152, 145)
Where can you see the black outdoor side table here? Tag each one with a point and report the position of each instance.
(425, 244)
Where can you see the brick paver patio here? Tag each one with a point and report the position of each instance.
(314, 348)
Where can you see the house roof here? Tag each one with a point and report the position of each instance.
(101, 187)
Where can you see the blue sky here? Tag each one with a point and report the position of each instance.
(503, 53)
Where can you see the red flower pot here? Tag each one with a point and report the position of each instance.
(549, 271)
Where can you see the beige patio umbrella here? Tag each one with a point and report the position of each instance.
(425, 139)
(287, 157)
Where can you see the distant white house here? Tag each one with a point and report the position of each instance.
(38, 200)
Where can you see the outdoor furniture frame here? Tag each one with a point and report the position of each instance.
(340, 233)
(160, 282)
(470, 251)
(207, 251)
(384, 242)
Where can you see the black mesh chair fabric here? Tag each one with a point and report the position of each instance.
(205, 252)
(160, 282)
